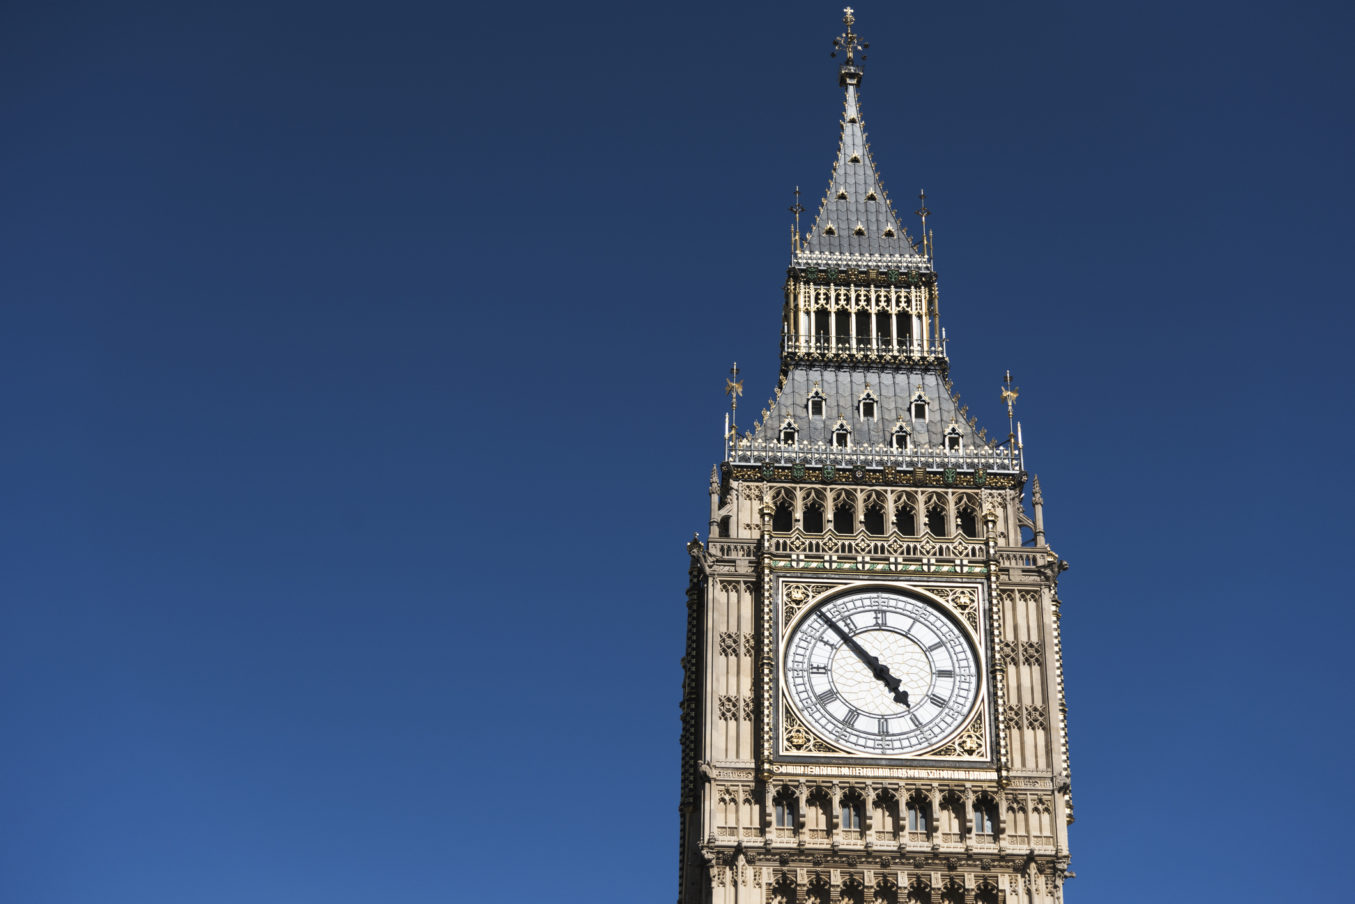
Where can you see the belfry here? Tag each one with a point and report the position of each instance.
(872, 700)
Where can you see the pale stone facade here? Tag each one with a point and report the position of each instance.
(865, 485)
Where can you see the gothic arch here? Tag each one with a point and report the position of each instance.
(886, 892)
(852, 892)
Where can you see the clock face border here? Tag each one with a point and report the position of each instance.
(921, 592)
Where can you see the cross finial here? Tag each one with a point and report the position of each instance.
(849, 43)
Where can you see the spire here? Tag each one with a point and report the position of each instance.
(855, 216)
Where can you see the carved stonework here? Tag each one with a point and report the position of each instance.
(794, 597)
(969, 744)
(795, 737)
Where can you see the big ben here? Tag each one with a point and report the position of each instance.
(872, 701)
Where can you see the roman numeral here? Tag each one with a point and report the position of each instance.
(936, 646)
(827, 697)
(917, 723)
(884, 726)
(819, 669)
(945, 673)
(850, 719)
(937, 700)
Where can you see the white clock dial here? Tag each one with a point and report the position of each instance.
(880, 672)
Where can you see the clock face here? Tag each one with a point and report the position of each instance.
(878, 672)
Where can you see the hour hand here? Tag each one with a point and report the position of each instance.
(877, 668)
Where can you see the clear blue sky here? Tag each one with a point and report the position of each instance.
(362, 372)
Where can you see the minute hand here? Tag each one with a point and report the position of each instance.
(877, 668)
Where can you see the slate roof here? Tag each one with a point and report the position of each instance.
(842, 390)
(857, 180)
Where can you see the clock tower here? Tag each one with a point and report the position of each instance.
(872, 701)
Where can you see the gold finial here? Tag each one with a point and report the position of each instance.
(922, 212)
(733, 389)
(1009, 394)
(797, 208)
(849, 42)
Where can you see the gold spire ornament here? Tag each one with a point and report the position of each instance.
(1009, 394)
(733, 389)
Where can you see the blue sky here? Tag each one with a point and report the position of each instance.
(363, 373)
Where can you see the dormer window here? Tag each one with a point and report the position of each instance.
(830, 229)
(855, 158)
(859, 230)
(868, 405)
(816, 402)
(919, 406)
(889, 232)
(789, 432)
(842, 194)
(870, 196)
(953, 439)
(900, 438)
(842, 435)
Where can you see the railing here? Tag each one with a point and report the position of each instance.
(882, 346)
(845, 261)
(733, 549)
(799, 543)
(759, 452)
(1023, 559)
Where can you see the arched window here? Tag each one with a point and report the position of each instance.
(905, 519)
(844, 516)
(842, 435)
(812, 519)
(986, 893)
(842, 325)
(886, 892)
(899, 439)
(919, 815)
(868, 405)
(783, 519)
(817, 892)
(953, 442)
(789, 432)
(886, 816)
(919, 892)
(853, 892)
(724, 527)
(936, 520)
(952, 893)
(783, 809)
(967, 520)
(851, 813)
(902, 329)
(783, 892)
(985, 818)
(862, 322)
(873, 518)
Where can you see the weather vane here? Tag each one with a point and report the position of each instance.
(848, 42)
(797, 208)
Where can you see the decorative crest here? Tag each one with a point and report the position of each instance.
(849, 42)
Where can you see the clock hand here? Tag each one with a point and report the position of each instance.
(877, 668)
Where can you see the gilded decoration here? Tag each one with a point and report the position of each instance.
(971, 743)
(794, 596)
(962, 601)
(798, 739)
